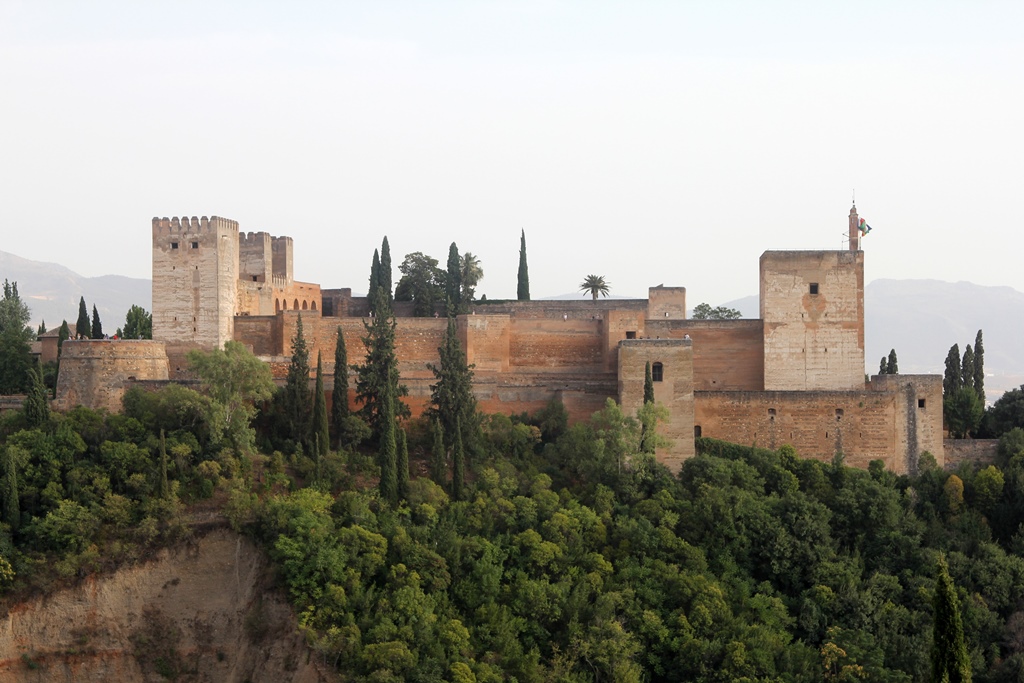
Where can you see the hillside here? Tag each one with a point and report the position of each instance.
(52, 291)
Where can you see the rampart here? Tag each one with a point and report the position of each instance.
(96, 372)
(973, 451)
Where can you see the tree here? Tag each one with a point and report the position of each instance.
(1007, 412)
(339, 394)
(594, 285)
(438, 456)
(979, 367)
(453, 281)
(15, 335)
(458, 463)
(883, 367)
(12, 505)
(523, 285)
(952, 379)
(386, 278)
(41, 330)
(892, 368)
(967, 369)
(164, 487)
(453, 402)
(62, 336)
(97, 327)
(321, 436)
(387, 452)
(371, 293)
(402, 466)
(648, 384)
(380, 368)
(138, 324)
(235, 380)
(963, 411)
(297, 398)
(83, 328)
(950, 661)
(471, 274)
(14, 313)
(36, 404)
(705, 312)
(422, 283)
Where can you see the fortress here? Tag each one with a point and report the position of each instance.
(793, 376)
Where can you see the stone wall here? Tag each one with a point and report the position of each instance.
(973, 451)
(95, 373)
(728, 355)
(666, 303)
(812, 305)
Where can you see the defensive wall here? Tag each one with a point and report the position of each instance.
(96, 372)
(974, 451)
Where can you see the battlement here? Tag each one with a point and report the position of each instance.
(195, 225)
(253, 238)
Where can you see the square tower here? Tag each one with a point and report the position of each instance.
(812, 306)
(195, 280)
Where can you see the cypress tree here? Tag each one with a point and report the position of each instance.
(296, 389)
(83, 329)
(452, 396)
(952, 379)
(951, 662)
(453, 281)
(97, 328)
(371, 293)
(438, 456)
(387, 453)
(164, 488)
(458, 464)
(320, 431)
(979, 367)
(12, 507)
(62, 336)
(380, 370)
(648, 384)
(385, 276)
(523, 288)
(967, 369)
(41, 330)
(892, 368)
(402, 465)
(36, 404)
(339, 396)
(883, 367)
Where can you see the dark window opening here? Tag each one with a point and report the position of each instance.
(920, 403)
(174, 245)
(255, 278)
(771, 414)
(657, 372)
(696, 431)
(631, 334)
(839, 414)
(814, 288)
(195, 245)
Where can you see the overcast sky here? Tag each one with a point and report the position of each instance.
(648, 142)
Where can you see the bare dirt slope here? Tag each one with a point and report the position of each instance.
(199, 612)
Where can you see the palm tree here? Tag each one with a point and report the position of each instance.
(471, 273)
(595, 284)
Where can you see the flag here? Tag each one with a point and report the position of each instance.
(864, 227)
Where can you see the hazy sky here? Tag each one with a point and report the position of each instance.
(649, 142)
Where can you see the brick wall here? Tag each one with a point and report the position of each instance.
(974, 451)
(95, 373)
(727, 354)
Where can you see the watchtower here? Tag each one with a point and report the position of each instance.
(195, 280)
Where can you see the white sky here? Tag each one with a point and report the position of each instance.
(649, 142)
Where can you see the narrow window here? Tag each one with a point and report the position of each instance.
(254, 278)
(920, 403)
(814, 288)
(195, 245)
(631, 334)
(696, 431)
(304, 306)
(771, 414)
(174, 245)
(657, 372)
(839, 414)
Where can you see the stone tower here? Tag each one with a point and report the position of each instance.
(812, 305)
(195, 280)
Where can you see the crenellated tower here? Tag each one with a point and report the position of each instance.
(195, 280)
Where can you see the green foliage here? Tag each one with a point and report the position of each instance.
(963, 411)
(967, 369)
(648, 384)
(374, 287)
(37, 404)
(458, 463)
(297, 398)
(453, 282)
(438, 455)
(387, 452)
(385, 279)
(892, 367)
(470, 275)
(321, 435)
(452, 399)
(83, 328)
(138, 324)
(339, 394)
(979, 366)
(883, 366)
(704, 311)
(595, 285)
(422, 283)
(15, 336)
(1007, 412)
(523, 277)
(379, 371)
(62, 336)
(96, 329)
(950, 660)
(953, 377)
(12, 505)
(402, 466)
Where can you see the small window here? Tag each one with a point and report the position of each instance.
(814, 288)
(174, 245)
(920, 403)
(839, 414)
(195, 245)
(255, 278)
(771, 414)
(657, 372)
(696, 431)
(631, 334)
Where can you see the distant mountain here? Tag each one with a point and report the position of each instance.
(52, 292)
(921, 319)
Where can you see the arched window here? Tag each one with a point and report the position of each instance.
(313, 306)
(296, 307)
(277, 305)
(657, 372)
(304, 306)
